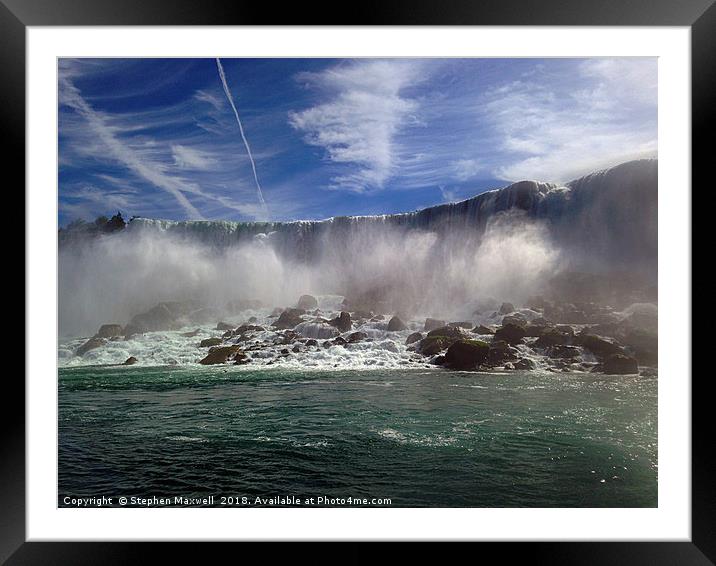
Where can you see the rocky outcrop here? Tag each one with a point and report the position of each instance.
(396, 324)
(431, 345)
(510, 333)
(109, 331)
(130, 361)
(91, 344)
(482, 329)
(414, 337)
(599, 345)
(290, 318)
(357, 337)
(466, 354)
(209, 342)
(221, 355)
(342, 322)
(506, 308)
(432, 324)
(501, 352)
(620, 364)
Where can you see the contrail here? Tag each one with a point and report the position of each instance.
(222, 76)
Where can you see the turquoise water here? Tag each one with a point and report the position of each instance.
(416, 437)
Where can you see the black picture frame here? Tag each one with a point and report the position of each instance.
(16, 15)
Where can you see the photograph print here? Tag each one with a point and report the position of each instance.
(372, 282)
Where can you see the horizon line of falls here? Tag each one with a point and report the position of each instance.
(506, 244)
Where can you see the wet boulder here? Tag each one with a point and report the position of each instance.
(450, 331)
(357, 337)
(396, 324)
(562, 351)
(290, 318)
(461, 324)
(160, 317)
(414, 337)
(221, 355)
(431, 345)
(130, 361)
(501, 352)
(209, 342)
(482, 329)
(91, 344)
(506, 308)
(432, 324)
(553, 337)
(466, 354)
(312, 342)
(109, 331)
(339, 341)
(620, 364)
(307, 302)
(515, 318)
(510, 333)
(524, 364)
(223, 326)
(190, 334)
(600, 346)
(342, 322)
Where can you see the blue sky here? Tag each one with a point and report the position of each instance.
(159, 138)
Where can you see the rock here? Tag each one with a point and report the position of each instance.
(466, 354)
(357, 337)
(432, 345)
(599, 346)
(109, 331)
(307, 302)
(553, 337)
(244, 328)
(500, 352)
(296, 349)
(643, 343)
(538, 328)
(252, 319)
(439, 360)
(327, 344)
(221, 355)
(619, 364)
(339, 341)
(91, 344)
(461, 324)
(131, 360)
(228, 334)
(562, 351)
(516, 318)
(506, 308)
(524, 363)
(482, 329)
(190, 334)
(414, 337)
(161, 317)
(132, 330)
(240, 358)
(289, 318)
(276, 312)
(432, 324)
(342, 322)
(312, 342)
(450, 331)
(209, 342)
(362, 314)
(224, 326)
(510, 333)
(396, 324)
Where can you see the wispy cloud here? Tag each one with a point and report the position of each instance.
(358, 123)
(189, 158)
(556, 130)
